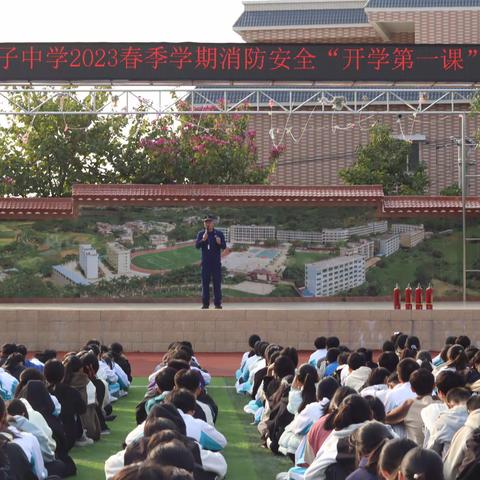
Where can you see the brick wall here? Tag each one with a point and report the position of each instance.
(143, 329)
(322, 151)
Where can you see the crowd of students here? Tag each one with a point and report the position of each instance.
(175, 437)
(347, 415)
(47, 406)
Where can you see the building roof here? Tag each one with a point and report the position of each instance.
(420, 4)
(333, 262)
(415, 205)
(71, 275)
(297, 18)
(238, 194)
(31, 207)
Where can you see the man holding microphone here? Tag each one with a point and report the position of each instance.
(212, 242)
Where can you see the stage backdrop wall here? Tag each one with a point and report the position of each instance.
(146, 328)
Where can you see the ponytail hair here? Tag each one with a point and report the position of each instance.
(354, 409)
(422, 464)
(340, 394)
(309, 394)
(457, 357)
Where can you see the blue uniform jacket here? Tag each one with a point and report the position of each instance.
(211, 251)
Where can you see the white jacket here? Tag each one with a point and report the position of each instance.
(207, 436)
(358, 378)
(457, 449)
(327, 455)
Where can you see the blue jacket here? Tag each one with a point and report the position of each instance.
(211, 251)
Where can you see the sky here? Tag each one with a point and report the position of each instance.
(120, 21)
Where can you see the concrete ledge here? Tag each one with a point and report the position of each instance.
(150, 328)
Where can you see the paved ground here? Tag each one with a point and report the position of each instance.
(218, 364)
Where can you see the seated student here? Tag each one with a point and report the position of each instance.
(38, 397)
(358, 372)
(102, 397)
(320, 351)
(391, 457)
(173, 453)
(368, 441)
(331, 361)
(342, 370)
(76, 377)
(308, 413)
(120, 359)
(206, 435)
(458, 447)
(403, 391)
(165, 383)
(323, 427)
(255, 363)
(190, 380)
(22, 349)
(376, 385)
(445, 382)
(276, 387)
(70, 399)
(22, 451)
(474, 379)
(388, 360)
(409, 413)
(18, 417)
(352, 414)
(424, 359)
(14, 364)
(252, 340)
(7, 350)
(457, 361)
(439, 359)
(450, 421)
(422, 464)
(143, 471)
(8, 385)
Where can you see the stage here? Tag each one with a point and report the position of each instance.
(152, 327)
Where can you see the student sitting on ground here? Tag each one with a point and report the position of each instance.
(376, 385)
(458, 447)
(358, 372)
(391, 457)
(308, 413)
(352, 414)
(369, 441)
(320, 352)
(422, 464)
(444, 382)
(409, 413)
(450, 421)
(208, 437)
(252, 340)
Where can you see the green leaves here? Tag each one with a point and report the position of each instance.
(383, 161)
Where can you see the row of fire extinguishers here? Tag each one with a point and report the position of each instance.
(419, 297)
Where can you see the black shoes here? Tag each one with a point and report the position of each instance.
(205, 307)
(218, 307)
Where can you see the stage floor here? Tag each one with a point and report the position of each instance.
(233, 306)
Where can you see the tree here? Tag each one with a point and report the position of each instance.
(383, 161)
(46, 154)
(199, 148)
(451, 191)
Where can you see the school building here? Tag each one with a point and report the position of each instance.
(330, 277)
(319, 146)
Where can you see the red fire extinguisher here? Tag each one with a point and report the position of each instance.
(418, 297)
(429, 297)
(396, 298)
(408, 297)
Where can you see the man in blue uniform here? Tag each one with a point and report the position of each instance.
(212, 242)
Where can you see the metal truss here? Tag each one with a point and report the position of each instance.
(15, 100)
